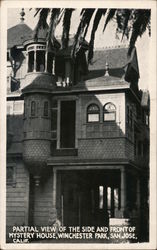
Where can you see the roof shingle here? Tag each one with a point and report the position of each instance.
(115, 57)
(18, 34)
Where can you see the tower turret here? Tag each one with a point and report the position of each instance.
(38, 85)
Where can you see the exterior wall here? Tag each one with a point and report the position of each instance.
(132, 107)
(118, 99)
(103, 140)
(129, 150)
(37, 133)
(137, 133)
(115, 148)
(36, 153)
(17, 195)
(42, 199)
(100, 140)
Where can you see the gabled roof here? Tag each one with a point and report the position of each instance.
(116, 57)
(102, 83)
(17, 34)
(118, 61)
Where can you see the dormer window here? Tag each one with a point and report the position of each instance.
(40, 59)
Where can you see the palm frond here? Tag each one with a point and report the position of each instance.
(66, 27)
(127, 15)
(37, 11)
(61, 15)
(84, 23)
(88, 19)
(42, 21)
(97, 18)
(110, 15)
(53, 23)
(139, 26)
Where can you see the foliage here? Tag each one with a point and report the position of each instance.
(131, 23)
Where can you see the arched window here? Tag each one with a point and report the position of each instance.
(93, 113)
(46, 108)
(33, 108)
(109, 112)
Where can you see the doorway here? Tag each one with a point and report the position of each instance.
(89, 197)
(67, 124)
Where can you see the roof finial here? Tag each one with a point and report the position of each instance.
(106, 69)
(22, 13)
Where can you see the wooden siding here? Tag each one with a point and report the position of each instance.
(17, 197)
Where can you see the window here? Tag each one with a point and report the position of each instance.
(9, 107)
(50, 62)
(33, 108)
(147, 119)
(18, 107)
(31, 61)
(109, 112)
(40, 61)
(11, 175)
(24, 114)
(93, 113)
(67, 124)
(46, 108)
(129, 118)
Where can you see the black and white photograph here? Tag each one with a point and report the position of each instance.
(79, 166)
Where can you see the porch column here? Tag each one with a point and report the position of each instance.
(46, 57)
(53, 211)
(27, 55)
(53, 66)
(54, 188)
(35, 60)
(123, 191)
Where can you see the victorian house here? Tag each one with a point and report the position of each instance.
(77, 135)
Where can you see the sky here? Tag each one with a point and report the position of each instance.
(106, 39)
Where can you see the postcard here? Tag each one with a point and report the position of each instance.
(78, 125)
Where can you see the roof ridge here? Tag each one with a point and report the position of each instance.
(20, 23)
(112, 47)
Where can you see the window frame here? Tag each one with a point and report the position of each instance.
(129, 117)
(45, 109)
(96, 112)
(33, 114)
(109, 111)
(13, 181)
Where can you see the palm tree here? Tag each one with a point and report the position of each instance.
(131, 23)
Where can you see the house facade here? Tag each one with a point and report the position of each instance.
(77, 135)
